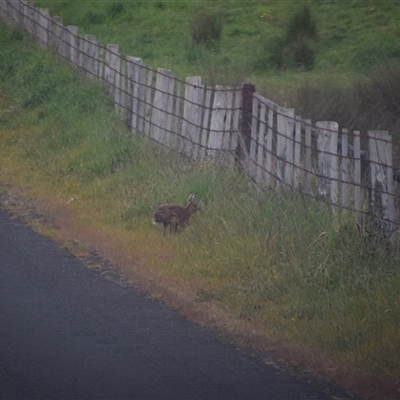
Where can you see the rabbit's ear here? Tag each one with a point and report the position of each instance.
(191, 197)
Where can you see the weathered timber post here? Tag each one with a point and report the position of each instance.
(162, 107)
(72, 44)
(136, 76)
(307, 157)
(243, 147)
(328, 162)
(381, 191)
(191, 116)
(43, 27)
(284, 147)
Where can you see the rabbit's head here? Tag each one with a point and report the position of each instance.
(192, 206)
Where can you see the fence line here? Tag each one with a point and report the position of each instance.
(276, 148)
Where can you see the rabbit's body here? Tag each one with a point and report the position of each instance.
(175, 216)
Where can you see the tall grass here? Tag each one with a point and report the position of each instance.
(271, 258)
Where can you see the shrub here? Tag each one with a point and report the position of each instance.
(206, 26)
(296, 48)
(94, 17)
(371, 103)
(301, 25)
(379, 97)
(116, 9)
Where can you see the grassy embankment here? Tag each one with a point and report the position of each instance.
(339, 47)
(278, 261)
(351, 36)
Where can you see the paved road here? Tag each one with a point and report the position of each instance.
(66, 332)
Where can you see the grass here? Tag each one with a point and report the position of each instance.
(354, 47)
(276, 260)
(352, 36)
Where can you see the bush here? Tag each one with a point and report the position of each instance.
(206, 26)
(296, 48)
(301, 25)
(116, 9)
(94, 17)
(371, 103)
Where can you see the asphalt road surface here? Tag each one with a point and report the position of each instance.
(66, 332)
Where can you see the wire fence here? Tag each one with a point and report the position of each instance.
(274, 147)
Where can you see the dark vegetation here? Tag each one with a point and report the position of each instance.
(368, 103)
(205, 26)
(295, 49)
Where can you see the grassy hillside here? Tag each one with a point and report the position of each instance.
(278, 263)
(353, 47)
(351, 37)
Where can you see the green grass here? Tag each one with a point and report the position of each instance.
(356, 46)
(352, 36)
(275, 259)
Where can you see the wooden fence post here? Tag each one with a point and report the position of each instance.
(25, 15)
(269, 156)
(253, 145)
(58, 37)
(136, 78)
(162, 107)
(112, 73)
(149, 89)
(284, 147)
(357, 173)
(72, 44)
(218, 121)
(381, 193)
(307, 157)
(297, 167)
(90, 56)
(192, 116)
(31, 19)
(245, 126)
(262, 133)
(328, 162)
(43, 27)
(344, 170)
(208, 92)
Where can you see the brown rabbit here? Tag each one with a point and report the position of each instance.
(175, 216)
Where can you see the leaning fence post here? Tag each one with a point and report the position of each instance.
(381, 193)
(72, 44)
(43, 27)
(245, 126)
(357, 173)
(112, 73)
(307, 157)
(136, 80)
